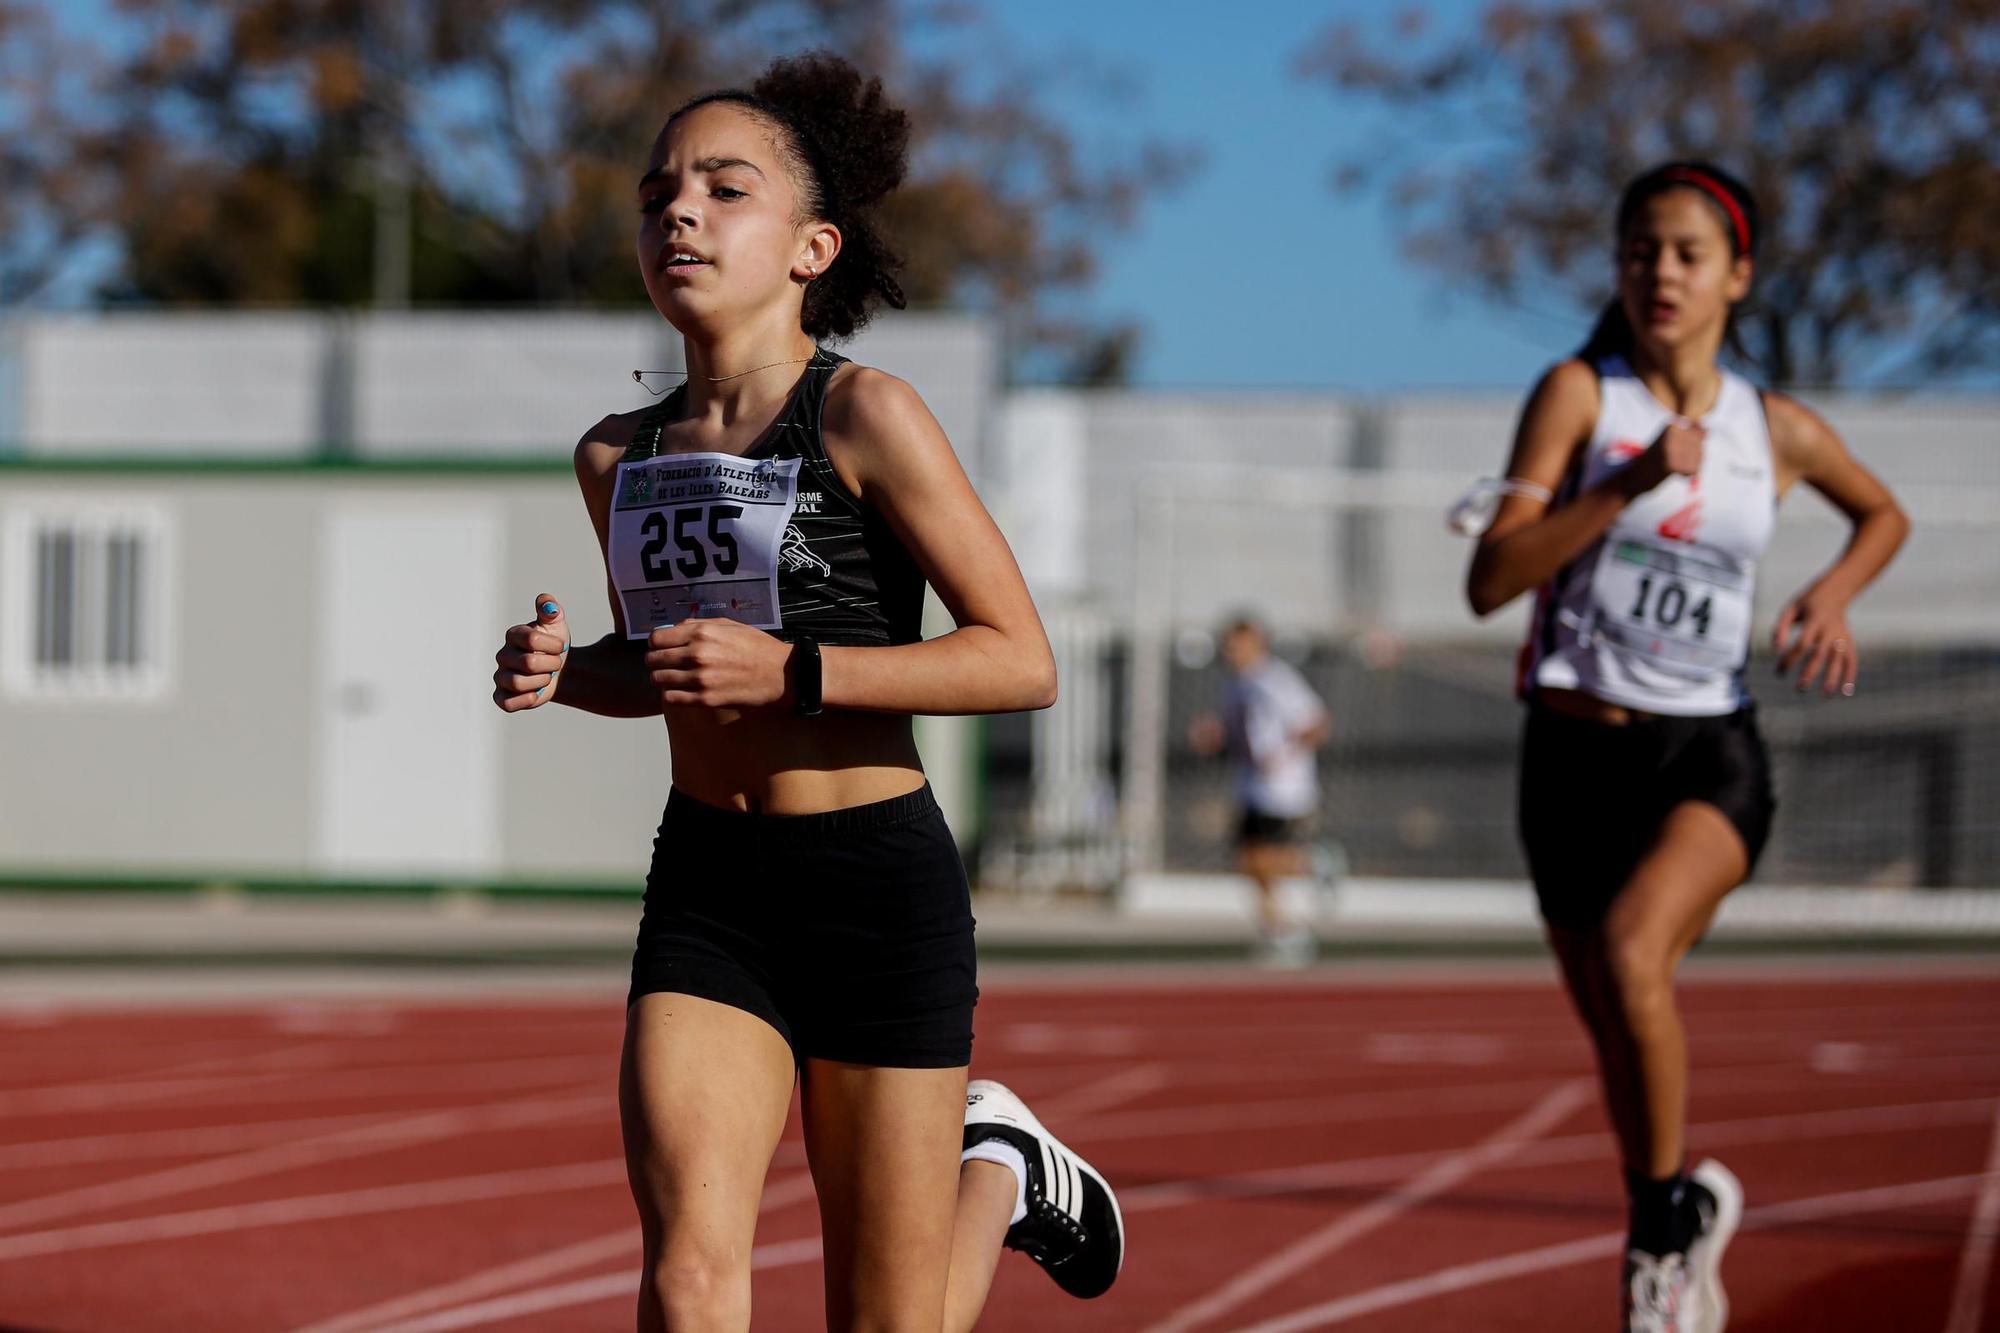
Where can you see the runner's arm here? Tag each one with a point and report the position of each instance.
(1528, 540)
(1807, 449)
(608, 677)
(997, 660)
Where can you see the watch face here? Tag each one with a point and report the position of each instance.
(805, 675)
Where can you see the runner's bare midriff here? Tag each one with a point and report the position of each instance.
(1580, 703)
(775, 763)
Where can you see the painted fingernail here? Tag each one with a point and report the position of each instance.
(548, 608)
(1847, 689)
(565, 647)
(538, 693)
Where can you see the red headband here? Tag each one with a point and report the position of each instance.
(1712, 187)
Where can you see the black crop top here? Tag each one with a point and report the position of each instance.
(843, 576)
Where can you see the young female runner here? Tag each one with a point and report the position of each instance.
(1639, 496)
(768, 531)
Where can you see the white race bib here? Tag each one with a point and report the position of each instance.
(700, 535)
(1686, 609)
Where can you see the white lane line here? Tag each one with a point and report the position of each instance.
(42, 1154)
(1463, 1277)
(1548, 1111)
(585, 1291)
(332, 1082)
(1241, 1117)
(1081, 1099)
(1975, 1260)
(1108, 1091)
(1568, 1149)
(271, 1160)
(141, 1085)
(317, 1207)
(1225, 1116)
(622, 1244)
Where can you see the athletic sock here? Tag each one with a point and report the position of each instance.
(1007, 1155)
(1662, 1222)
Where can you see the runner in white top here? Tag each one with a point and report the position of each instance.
(1272, 724)
(1638, 499)
(1656, 616)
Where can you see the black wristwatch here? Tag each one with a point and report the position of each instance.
(805, 676)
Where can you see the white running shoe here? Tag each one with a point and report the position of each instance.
(1287, 950)
(1682, 1293)
(1659, 1297)
(1718, 1201)
(1073, 1228)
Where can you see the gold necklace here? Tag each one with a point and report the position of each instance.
(716, 379)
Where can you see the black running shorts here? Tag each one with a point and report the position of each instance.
(1257, 827)
(1593, 797)
(849, 931)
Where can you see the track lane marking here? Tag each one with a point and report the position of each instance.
(299, 1153)
(1118, 1085)
(1463, 1277)
(621, 1244)
(1548, 1111)
(316, 1207)
(1975, 1260)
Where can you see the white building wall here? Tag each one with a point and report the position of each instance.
(220, 767)
(110, 385)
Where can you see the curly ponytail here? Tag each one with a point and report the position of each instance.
(846, 147)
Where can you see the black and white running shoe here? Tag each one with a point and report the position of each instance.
(1717, 1197)
(1682, 1292)
(1072, 1228)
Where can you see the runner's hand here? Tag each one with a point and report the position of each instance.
(710, 662)
(1677, 453)
(529, 664)
(1823, 640)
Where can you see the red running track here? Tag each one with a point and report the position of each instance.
(1375, 1155)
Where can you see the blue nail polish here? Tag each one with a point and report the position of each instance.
(538, 693)
(548, 608)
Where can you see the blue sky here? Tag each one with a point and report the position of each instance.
(1257, 272)
(1313, 291)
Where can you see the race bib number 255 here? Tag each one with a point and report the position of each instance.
(700, 535)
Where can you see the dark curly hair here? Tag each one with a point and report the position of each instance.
(1735, 208)
(845, 147)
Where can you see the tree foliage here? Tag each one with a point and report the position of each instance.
(1869, 129)
(255, 150)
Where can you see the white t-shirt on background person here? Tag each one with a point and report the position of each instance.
(1265, 711)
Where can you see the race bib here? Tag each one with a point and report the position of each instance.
(700, 535)
(1687, 610)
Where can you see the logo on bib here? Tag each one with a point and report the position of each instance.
(638, 486)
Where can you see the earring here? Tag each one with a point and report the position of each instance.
(811, 272)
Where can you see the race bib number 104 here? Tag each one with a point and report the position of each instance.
(1687, 611)
(700, 535)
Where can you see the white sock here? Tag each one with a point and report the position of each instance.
(1007, 1155)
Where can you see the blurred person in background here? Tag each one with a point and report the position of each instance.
(1271, 726)
(1638, 498)
(768, 531)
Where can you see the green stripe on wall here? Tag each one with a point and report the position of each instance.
(197, 465)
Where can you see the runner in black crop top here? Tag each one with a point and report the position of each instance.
(807, 923)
